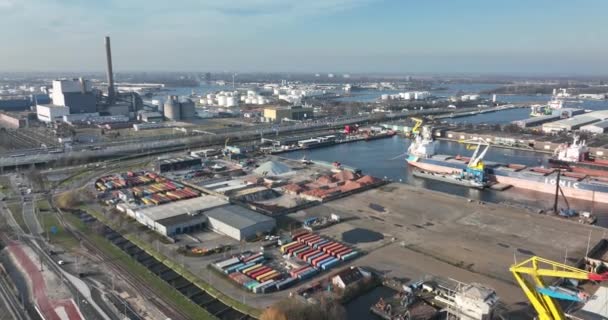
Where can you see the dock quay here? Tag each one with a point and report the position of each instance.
(598, 145)
(461, 114)
(410, 233)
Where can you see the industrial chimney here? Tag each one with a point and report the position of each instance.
(110, 74)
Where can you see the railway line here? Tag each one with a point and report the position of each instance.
(133, 280)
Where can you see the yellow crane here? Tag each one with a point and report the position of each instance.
(416, 128)
(529, 275)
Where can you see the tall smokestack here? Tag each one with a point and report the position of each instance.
(110, 74)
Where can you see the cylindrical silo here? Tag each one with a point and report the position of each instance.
(172, 109)
(188, 109)
(231, 102)
(221, 100)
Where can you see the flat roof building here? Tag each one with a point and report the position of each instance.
(208, 211)
(292, 113)
(238, 223)
(178, 217)
(51, 113)
(598, 127)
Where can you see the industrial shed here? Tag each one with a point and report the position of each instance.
(569, 124)
(598, 127)
(238, 222)
(178, 217)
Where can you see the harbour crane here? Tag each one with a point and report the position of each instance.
(416, 128)
(476, 161)
(529, 275)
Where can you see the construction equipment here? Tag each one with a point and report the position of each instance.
(529, 275)
(416, 128)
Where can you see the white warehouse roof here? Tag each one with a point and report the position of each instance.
(237, 217)
(189, 206)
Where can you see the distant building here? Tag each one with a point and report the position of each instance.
(51, 113)
(290, 113)
(181, 163)
(13, 120)
(75, 94)
(151, 117)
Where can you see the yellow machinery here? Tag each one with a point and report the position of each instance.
(529, 275)
(416, 128)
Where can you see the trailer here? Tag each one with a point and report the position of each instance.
(341, 250)
(251, 268)
(273, 275)
(303, 249)
(263, 274)
(286, 283)
(259, 272)
(322, 242)
(298, 234)
(290, 250)
(294, 273)
(310, 258)
(331, 264)
(302, 254)
(310, 239)
(285, 247)
(314, 252)
(327, 244)
(350, 256)
(306, 238)
(320, 262)
(317, 259)
(232, 269)
(312, 243)
(226, 263)
(328, 248)
(245, 266)
(340, 254)
(333, 250)
(308, 274)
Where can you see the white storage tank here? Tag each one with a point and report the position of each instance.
(221, 100)
(231, 102)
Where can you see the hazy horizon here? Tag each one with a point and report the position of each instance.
(315, 36)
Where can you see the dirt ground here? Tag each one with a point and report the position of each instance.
(409, 233)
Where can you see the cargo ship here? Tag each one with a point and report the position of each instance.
(381, 135)
(575, 157)
(576, 185)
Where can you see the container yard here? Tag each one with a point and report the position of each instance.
(305, 256)
(142, 188)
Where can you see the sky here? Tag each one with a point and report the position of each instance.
(351, 36)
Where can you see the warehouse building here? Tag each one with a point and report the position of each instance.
(238, 223)
(208, 211)
(289, 113)
(598, 127)
(178, 217)
(181, 163)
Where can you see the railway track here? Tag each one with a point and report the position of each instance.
(133, 280)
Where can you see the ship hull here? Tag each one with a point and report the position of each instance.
(545, 184)
(584, 167)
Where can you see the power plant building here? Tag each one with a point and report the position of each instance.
(50, 113)
(76, 94)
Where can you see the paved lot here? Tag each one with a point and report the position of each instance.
(412, 232)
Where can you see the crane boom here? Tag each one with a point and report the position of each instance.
(529, 275)
(416, 128)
